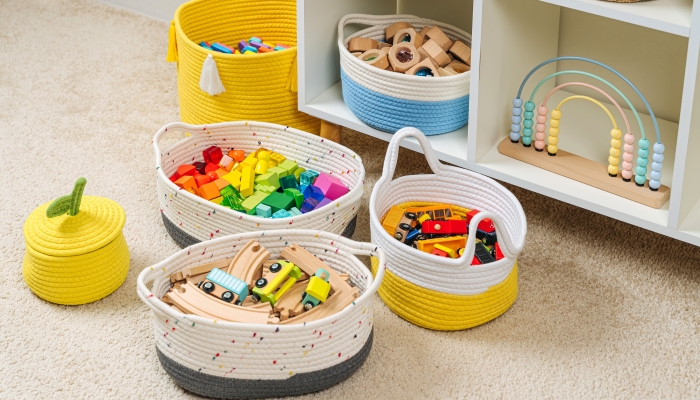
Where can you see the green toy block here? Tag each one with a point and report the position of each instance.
(265, 188)
(296, 195)
(250, 203)
(298, 171)
(288, 182)
(263, 211)
(230, 191)
(294, 211)
(269, 179)
(278, 201)
(289, 166)
(281, 172)
(232, 202)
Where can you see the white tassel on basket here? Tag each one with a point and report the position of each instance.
(209, 80)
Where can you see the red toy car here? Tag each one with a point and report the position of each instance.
(450, 227)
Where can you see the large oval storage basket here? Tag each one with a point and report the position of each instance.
(240, 360)
(260, 86)
(389, 101)
(443, 293)
(190, 219)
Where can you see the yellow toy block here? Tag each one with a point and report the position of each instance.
(276, 159)
(281, 172)
(453, 242)
(247, 181)
(250, 160)
(258, 151)
(234, 178)
(447, 250)
(423, 218)
(318, 288)
(252, 201)
(217, 200)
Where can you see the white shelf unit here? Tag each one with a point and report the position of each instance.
(320, 91)
(652, 43)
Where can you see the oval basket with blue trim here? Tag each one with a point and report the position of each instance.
(388, 101)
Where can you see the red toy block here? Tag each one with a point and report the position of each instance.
(201, 179)
(485, 225)
(499, 253)
(209, 191)
(186, 169)
(450, 227)
(210, 167)
(212, 176)
(212, 155)
(186, 182)
(475, 261)
(238, 155)
(440, 253)
(175, 177)
(199, 166)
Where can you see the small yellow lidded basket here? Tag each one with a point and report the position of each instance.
(75, 250)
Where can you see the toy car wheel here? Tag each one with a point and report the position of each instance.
(227, 296)
(276, 267)
(255, 297)
(208, 287)
(410, 215)
(308, 306)
(261, 283)
(405, 226)
(420, 237)
(398, 235)
(303, 295)
(237, 302)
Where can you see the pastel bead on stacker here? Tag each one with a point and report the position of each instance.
(627, 157)
(642, 161)
(657, 159)
(614, 158)
(516, 119)
(527, 123)
(541, 120)
(553, 138)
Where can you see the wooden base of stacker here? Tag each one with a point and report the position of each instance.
(585, 171)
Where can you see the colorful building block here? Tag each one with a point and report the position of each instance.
(263, 163)
(249, 49)
(440, 253)
(281, 172)
(206, 45)
(221, 172)
(265, 188)
(308, 177)
(294, 211)
(323, 202)
(255, 39)
(221, 48)
(201, 179)
(226, 163)
(212, 155)
(298, 172)
(276, 158)
(186, 182)
(313, 192)
(263, 211)
(221, 183)
(269, 179)
(247, 181)
(296, 195)
(289, 166)
(234, 178)
(232, 202)
(251, 203)
(230, 191)
(265, 49)
(331, 186)
(238, 155)
(200, 167)
(250, 160)
(208, 191)
(309, 205)
(451, 252)
(241, 45)
(281, 214)
(279, 201)
(210, 167)
(302, 188)
(186, 169)
(288, 182)
(217, 200)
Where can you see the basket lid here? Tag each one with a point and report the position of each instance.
(73, 225)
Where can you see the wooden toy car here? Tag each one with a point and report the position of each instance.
(486, 231)
(438, 212)
(317, 290)
(282, 276)
(449, 227)
(233, 286)
(398, 222)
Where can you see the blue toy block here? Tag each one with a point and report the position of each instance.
(249, 48)
(308, 177)
(205, 45)
(309, 205)
(313, 192)
(281, 214)
(263, 211)
(294, 211)
(289, 182)
(255, 39)
(221, 48)
(302, 187)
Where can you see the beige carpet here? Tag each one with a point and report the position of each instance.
(605, 309)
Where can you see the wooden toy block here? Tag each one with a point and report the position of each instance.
(308, 205)
(436, 53)
(386, 51)
(289, 182)
(384, 45)
(212, 155)
(281, 172)
(247, 181)
(263, 163)
(457, 67)
(294, 211)
(298, 172)
(263, 211)
(375, 58)
(438, 36)
(425, 30)
(423, 68)
(296, 195)
(357, 53)
(257, 152)
(461, 51)
(362, 44)
(208, 191)
(269, 179)
(265, 188)
(186, 169)
(322, 203)
(238, 155)
(276, 158)
(331, 187)
(391, 219)
(308, 177)
(252, 201)
(403, 56)
(278, 201)
(201, 179)
(448, 251)
(313, 192)
(281, 214)
(440, 253)
(186, 182)
(226, 163)
(444, 72)
(424, 56)
(247, 263)
(393, 29)
(234, 178)
(409, 35)
(453, 242)
(289, 166)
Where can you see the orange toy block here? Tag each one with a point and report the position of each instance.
(201, 179)
(186, 182)
(247, 181)
(209, 191)
(221, 172)
(238, 155)
(221, 183)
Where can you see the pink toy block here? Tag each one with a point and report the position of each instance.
(331, 186)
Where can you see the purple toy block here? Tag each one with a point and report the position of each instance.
(309, 205)
(323, 203)
(312, 192)
(331, 186)
(255, 44)
(241, 45)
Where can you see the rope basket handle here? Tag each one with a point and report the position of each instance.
(510, 250)
(371, 20)
(351, 246)
(174, 127)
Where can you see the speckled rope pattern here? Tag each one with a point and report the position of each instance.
(204, 220)
(258, 351)
(450, 185)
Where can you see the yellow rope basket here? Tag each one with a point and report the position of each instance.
(259, 87)
(443, 311)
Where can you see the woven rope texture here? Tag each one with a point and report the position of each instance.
(204, 220)
(256, 86)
